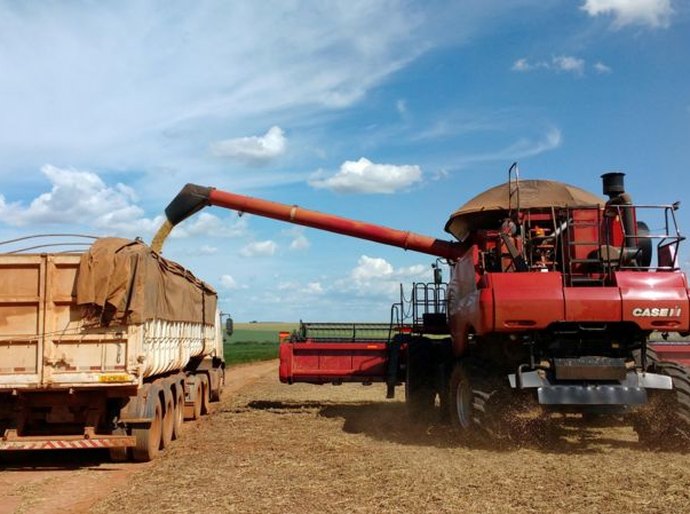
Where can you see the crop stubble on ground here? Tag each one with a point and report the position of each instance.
(276, 448)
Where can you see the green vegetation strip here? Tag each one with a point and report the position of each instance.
(253, 342)
(238, 353)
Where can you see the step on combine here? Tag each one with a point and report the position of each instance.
(556, 297)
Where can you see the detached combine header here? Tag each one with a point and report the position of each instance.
(553, 296)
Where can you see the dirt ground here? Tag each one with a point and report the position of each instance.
(71, 482)
(270, 448)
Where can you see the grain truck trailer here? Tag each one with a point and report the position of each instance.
(555, 298)
(112, 348)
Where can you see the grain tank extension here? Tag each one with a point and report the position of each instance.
(556, 297)
(110, 349)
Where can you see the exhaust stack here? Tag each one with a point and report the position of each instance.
(614, 188)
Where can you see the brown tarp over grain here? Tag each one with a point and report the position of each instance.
(491, 205)
(124, 281)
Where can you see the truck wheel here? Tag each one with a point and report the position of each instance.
(216, 393)
(179, 412)
(420, 392)
(119, 454)
(148, 439)
(205, 394)
(198, 400)
(168, 426)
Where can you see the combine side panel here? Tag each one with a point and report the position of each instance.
(526, 300)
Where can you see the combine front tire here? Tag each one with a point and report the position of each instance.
(478, 403)
(461, 402)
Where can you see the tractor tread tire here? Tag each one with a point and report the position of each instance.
(667, 424)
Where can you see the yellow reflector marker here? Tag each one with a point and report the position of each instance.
(114, 377)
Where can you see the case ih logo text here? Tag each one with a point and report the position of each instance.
(656, 312)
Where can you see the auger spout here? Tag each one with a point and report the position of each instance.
(192, 198)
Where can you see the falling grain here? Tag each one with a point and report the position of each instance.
(161, 236)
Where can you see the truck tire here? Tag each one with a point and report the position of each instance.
(119, 454)
(148, 440)
(168, 425)
(198, 392)
(179, 411)
(205, 394)
(420, 391)
(217, 392)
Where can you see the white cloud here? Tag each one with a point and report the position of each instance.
(253, 149)
(364, 176)
(207, 224)
(602, 68)
(653, 13)
(401, 106)
(523, 64)
(228, 282)
(201, 250)
(524, 147)
(207, 250)
(313, 288)
(259, 249)
(371, 268)
(440, 174)
(376, 276)
(564, 63)
(299, 240)
(527, 148)
(138, 84)
(569, 64)
(81, 198)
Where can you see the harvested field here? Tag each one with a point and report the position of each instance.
(274, 448)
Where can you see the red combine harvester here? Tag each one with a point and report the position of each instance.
(553, 297)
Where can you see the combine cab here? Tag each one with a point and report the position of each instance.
(554, 298)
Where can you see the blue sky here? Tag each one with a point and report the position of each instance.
(392, 112)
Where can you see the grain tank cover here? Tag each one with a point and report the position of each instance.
(487, 209)
(124, 281)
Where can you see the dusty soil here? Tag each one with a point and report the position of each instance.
(269, 448)
(66, 481)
